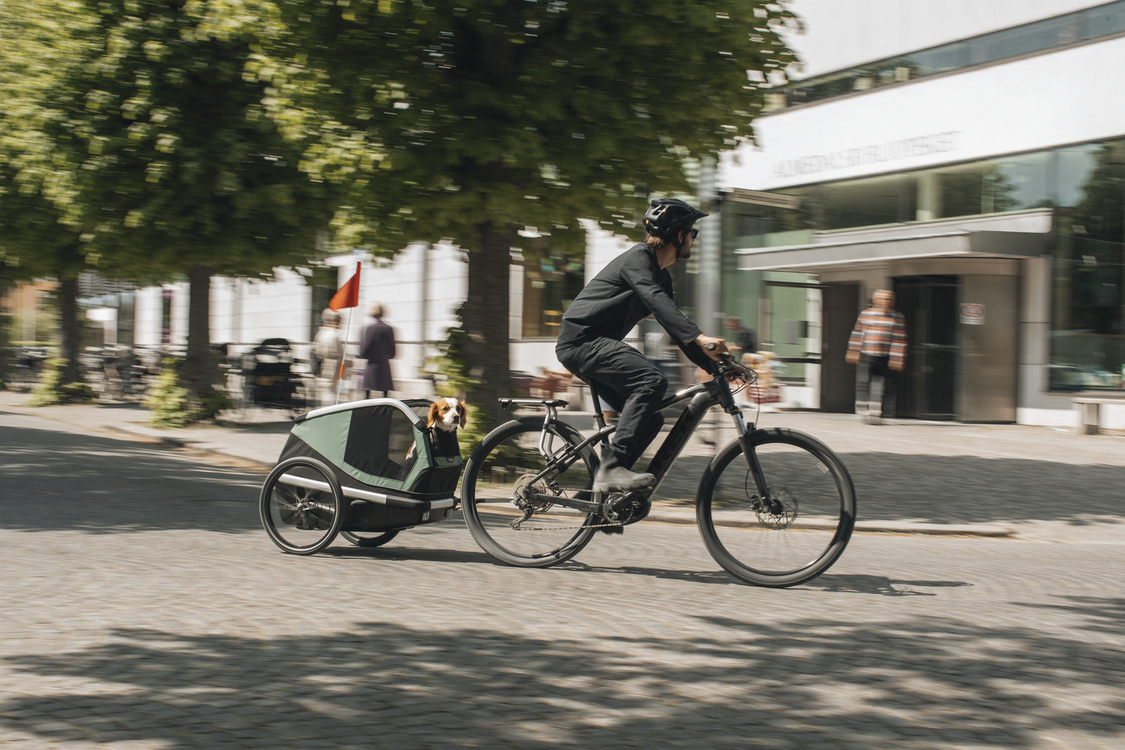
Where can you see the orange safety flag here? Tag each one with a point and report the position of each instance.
(348, 295)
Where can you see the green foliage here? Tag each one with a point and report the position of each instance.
(172, 406)
(167, 401)
(443, 116)
(133, 142)
(450, 366)
(210, 404)
(51, 390)
(454, 380)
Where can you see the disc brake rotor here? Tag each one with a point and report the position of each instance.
(780, 511)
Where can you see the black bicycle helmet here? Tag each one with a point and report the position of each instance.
(668, 215)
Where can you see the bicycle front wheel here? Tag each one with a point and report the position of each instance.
(506, 491)
(790, 535)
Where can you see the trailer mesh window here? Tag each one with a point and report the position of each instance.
(379, 439)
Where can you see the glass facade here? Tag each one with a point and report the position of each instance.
(1089, 273)
(1085, 187)
(1040, 36)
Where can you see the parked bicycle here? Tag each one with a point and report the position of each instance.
(775, 507)
(28, 366)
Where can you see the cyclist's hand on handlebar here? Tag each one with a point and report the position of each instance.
(718, 350)
(713, 347)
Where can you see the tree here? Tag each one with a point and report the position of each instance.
(186, 170)
(172, 165)
(45, 45)
(472, 119)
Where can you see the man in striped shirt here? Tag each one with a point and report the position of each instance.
(878, 347)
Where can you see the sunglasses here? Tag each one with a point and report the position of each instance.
(694, 233)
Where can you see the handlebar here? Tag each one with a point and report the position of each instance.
(726, 365)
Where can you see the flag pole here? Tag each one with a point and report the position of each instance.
(344, 355)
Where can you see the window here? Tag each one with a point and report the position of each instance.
(1048, 34)
(551, 281)
(1087, 340)
(869, 202)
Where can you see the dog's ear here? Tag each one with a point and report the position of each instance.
(434, 417)
(464, 411)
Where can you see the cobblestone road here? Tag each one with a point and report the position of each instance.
(143, 607)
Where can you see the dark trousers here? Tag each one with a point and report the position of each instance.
(875, 384)
(630, 384)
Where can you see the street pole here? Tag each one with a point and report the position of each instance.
(708, 282)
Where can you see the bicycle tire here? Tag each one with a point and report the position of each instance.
(507, 457)
(300, 516)
(800, 533)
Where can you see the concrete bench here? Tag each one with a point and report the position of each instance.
(1089, 408)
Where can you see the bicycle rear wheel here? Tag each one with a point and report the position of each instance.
(794, 534)
(500, 476)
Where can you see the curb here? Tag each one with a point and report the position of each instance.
(684, 518)
(866, 527)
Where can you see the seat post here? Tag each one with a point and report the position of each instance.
(598, 418)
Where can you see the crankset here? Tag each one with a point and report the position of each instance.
(627, 509)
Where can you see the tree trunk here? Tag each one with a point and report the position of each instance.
(199, 369)
(486, 322)
(71, 330)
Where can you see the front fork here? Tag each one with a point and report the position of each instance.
(745, 432)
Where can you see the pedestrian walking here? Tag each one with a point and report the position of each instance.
(742, 338)
(744, 347)
(327, 353)
(378, 347)
(878, 348)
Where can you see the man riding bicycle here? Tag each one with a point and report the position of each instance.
(634, 285)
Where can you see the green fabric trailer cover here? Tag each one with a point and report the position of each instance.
(380, 442)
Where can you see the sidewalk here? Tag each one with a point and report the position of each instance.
(911, 477)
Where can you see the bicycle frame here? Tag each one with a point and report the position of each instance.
(700, 399)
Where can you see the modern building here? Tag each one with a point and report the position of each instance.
(969, 156)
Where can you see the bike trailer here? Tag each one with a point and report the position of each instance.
(390, 472)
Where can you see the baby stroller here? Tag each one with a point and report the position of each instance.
(365, 469)
(268, 377)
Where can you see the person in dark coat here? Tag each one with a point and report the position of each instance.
(378, 347)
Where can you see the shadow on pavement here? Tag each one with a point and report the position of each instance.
(61, 480)
(961, 489)
(922, 682)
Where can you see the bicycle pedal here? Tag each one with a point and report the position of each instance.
(612, 529)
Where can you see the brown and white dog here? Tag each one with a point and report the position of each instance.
(446, 416)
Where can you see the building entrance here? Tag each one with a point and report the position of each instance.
(928, 384)
(840, 303)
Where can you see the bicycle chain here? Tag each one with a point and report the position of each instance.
(518, 526)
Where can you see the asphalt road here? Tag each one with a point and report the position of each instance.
(143, 607)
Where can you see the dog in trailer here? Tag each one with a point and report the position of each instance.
(446, 416)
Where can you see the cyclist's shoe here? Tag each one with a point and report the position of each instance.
(620, 479)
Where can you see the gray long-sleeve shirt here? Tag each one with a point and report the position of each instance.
(626, 291)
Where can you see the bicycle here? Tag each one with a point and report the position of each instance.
(775, 507)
